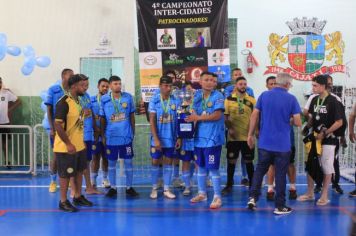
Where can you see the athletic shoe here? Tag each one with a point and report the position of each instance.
(53, 187)
(338, 189)
(199, 198)
(67, 206)
(106, 183)
(245, 182)
(82, 201)
(270, 196)
(153, 194)
(282, 210)
(317, 189)
(216, 203)
(293, 194)
(131, 192)
(168, 194)
(226, 190)
(353, 193)
(112, 193)
(177, 183)
(251, 204)
(186, 191)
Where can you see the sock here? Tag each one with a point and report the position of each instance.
(105, 174)
(243, 169)
(93, 176)
(112, 173)
(176, 171)
(128, 172)
(154, 175)
(292, 186)
(230, 174)
(250, 170)
(202, 180)
(167, 174)
(216, 182)
(186, 178)
(160, 172)
(53, 177)
(270, 188)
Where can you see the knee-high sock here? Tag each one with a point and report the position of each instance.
(250, 170)
(128, 172)
(192, 169)
(160, 171)
(154, 175)
(202, 180)
(167, 176)
(243, 168)
(93, 176)
(216, 182)
(105, 174)
(53, 177)
(186, 178)
(230, 174)
(175, 171)
(112, 172)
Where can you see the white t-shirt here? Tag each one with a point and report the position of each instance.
(307, 105)
(6, 96)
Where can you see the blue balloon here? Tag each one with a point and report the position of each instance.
(30, 62)
(43, 61)
(3, 39)
(13, 50)
(28, 51)
(26, 70)
(2, 52)
(43, 107)
(44, 95)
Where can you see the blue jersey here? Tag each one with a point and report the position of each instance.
(88, 117)
(209, 133)
(228, 91)
(117, 113)
(55, 92)
(166, 122)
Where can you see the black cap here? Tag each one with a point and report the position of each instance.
(165, 80)
(321, 79)
(76, 78)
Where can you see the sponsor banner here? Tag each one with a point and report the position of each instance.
(174, 58)
(148, 92)
(150, 60)
(218, 57)
(223, 72)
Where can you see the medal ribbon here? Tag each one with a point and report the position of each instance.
(205, 102)
(165, 107)
(319, 105)
(116, 106)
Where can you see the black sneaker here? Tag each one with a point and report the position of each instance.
(353, 193)
(317, 189)
(251, 204)
(292, 194)
(245, 182)
(82, 201)
(131, 192)
(112, 193)
(282, 210)
(338, 189)
(67, 206)
(226, 190)
(270, 196)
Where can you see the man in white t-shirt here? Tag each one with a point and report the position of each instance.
(6, 97)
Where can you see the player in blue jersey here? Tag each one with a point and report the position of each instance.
(208, 112)
(98, 149)
(55, 92)
(118, 130)
(163, 119)
(88, 134)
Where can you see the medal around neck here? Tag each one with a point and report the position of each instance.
(185, 129)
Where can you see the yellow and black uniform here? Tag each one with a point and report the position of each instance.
(239, 111)
(70, 114)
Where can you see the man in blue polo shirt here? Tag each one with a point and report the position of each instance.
(208, 112)
(118, 127)
(275, 109)
(163, 122)
(55, 92)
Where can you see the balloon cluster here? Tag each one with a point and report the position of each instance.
(29, 53)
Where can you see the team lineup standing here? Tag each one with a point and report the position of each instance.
(105, 128)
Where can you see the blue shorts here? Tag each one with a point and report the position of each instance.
(208, 157)
(186, 155)
(88, 145)
(167, 152)
(124, 151)
(98, 148)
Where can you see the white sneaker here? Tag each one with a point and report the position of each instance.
(153, 194)
(186, 191)
(178, 183)
(216, 203)
(106, 183)
(168, 194)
